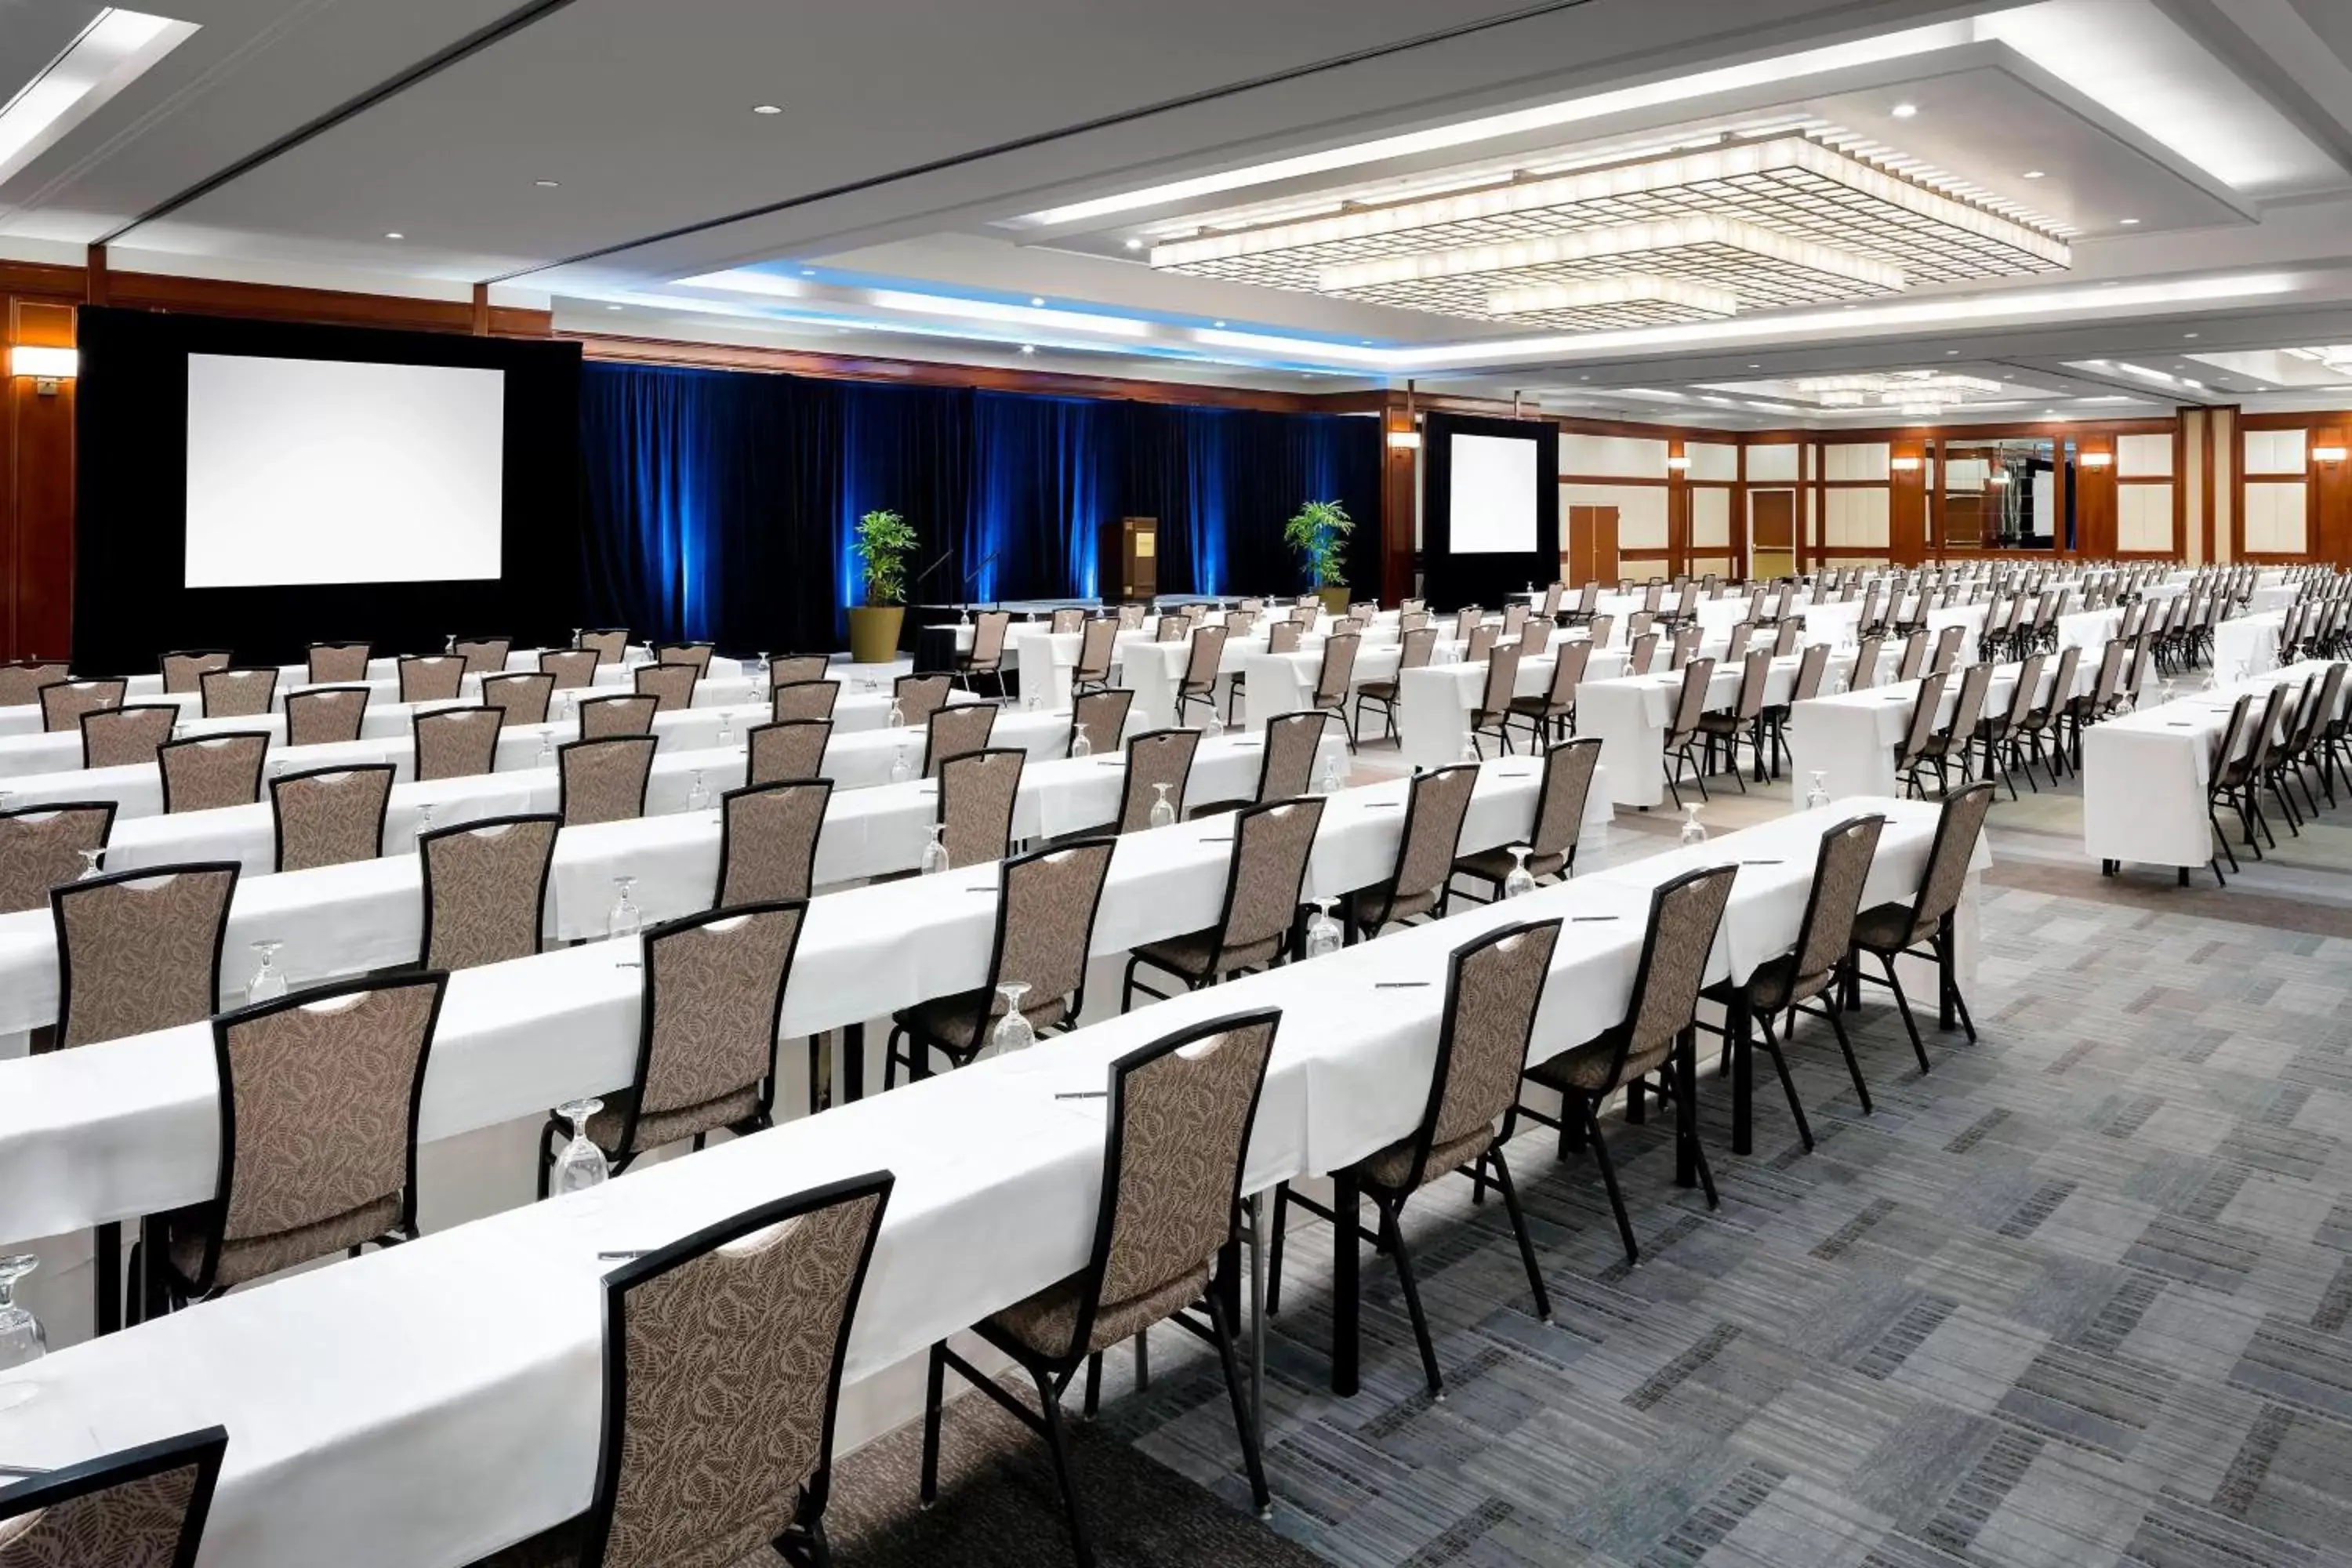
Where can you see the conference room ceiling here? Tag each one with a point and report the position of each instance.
(1020, 183)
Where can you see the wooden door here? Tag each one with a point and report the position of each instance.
(1592, 545)
(1772, 534)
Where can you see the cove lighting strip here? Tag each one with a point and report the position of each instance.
(110, 53)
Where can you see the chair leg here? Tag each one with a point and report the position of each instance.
(1674, 1073)
(1093, 1406)
(1608, 1178)
(1846, 1043)
(1245, 1420)
(1788, 1084)
(1274, 1248)
(1903, 1005)
(1394, 1235)
(1519, 1227)
(1944, 966)
(1057, 1440)
(934, 1395)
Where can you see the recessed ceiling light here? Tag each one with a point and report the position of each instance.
(545, 184)
(1905, 110)
(765, 109)
(1216, 324)
(1951, 354)
(1135, 244)
(1037, 298)
(2128, 222)
(1756, 367)
(2034, 174)
(2187, 336)
(1028, 348)
(395, 234)
(613, 307)
(1367, 342)
(808, 271)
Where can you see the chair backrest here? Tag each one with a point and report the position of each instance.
(1291, 743)
(1103, 716)
(697, 654)
(1642, 653)
(1433, 810)
(1914, 656)
(1493, 985)
(1810, 668)
(1502, 680)
(326, 817)
(1841, 871)
(336, 663)
(522, 697)
(1956, 828)
(1867, 654)
(2228, 765)
(803, 700)
(41, 846)
(1272, 844)
(2028, 690)
(1514, 618)
(431, 677)
(1095, 646)
(1570, 661)
(671, 685)
(723, 1355)
(237, 693)
(1552, 597)
(767, 840)
(988, 631)
(1200, 664)
(1130, 617)
(205, 772)
(1948, 649)
(139, 950)
(1481, 643)
(956, 732)
(1046, 921)
(1685, 647)
(122, 737)
(918, 696)
(1599, 629)
(1467, 620)
(1159, 757)
(610, 644)
(1284, 637)
(787, 668)
(714, 993)
(977, 792)
(1691, 701)
(1561, 801)
(572, 668)
(1926, 704)
(1735, 643)
(485, 886)
(606, 718)
(1411, 620)
(21, 680)
(2111, 671)
(1684, 913)
(1170, 627)
(1338, 670)
(1753, 671)
(139, 1507)
(301, 1146)
(1067, 620)
(791, 750)
(325, 714)
(1975, 682)
(483, 656)
(1784, 638)
(1534, 638)
(457, 743)
(183, 670)
(63, 702)
(604, 780)
(1419, 642)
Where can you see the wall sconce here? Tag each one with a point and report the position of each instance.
(1907, 465)
(2098, 460)
(47, 367)
(1996, 478)
(1404, 440)
(1679, 463)
(2330, 453)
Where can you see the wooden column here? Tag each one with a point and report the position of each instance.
(1400, 501)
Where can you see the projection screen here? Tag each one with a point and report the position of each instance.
(1493, 495)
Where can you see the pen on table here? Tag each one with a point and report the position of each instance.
(1398, 984)
(622, 1256)
(1583, 919)
(1082, 1094)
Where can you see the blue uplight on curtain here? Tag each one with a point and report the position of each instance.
(1046, 474)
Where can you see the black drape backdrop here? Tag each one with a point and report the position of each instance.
(1452, 580)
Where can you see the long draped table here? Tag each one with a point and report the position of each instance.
(1851, 738)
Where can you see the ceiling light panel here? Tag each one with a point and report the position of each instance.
(1621, 300)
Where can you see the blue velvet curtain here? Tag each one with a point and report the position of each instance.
(723, 504)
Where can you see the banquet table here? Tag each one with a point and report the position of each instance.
(1435, 701)
(427, 1405)
(1151, 669)
(2090, 629)
(1851, 738)
(2250, 642)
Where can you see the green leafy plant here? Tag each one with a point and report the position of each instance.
(884, 541)
(1318, 533)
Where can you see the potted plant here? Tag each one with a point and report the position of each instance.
(1318, 533)
(884, 541)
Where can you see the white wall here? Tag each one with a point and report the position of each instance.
(1712, 460)
(2275, 512)
(1710, 519)
(1858, 460)
(1855, 518)
(2144, 514)
(2143, 457)
(2273, 452)
(1620, 456)
(1773, 464)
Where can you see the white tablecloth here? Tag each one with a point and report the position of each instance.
(1851, 738)
(1435, 701)
(2249, 643)
(1631, 715)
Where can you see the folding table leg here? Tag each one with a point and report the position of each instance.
(1687, 1109)
(853, 1063)
(1743, 1078)
(107, 1262)
(1347, 1308)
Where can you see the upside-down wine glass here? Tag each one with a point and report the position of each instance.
(1694, 830)
(1323, 934)
(1082, 744)
(1818, 794)
(582, 1165)
(1013, 1031)
(268, 982)
(902, 767)
(697, 798)
(1163, 810)
(1332, 781)
(1521, 880)
(91, 867)
(625, 923)
(22, 1341)
(935, 852)
(896, 720)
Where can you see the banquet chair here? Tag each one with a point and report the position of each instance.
(1684, 733)
(41, 848)
(986, 655)
(1640, 652)
(606, 718)
(63, 702)
(1467, 620)
(1198, 682)
(2279, 769)
(791, 750)
(338, 663)
(714, 993)
(329, 817)
(139, 951)
(325, 714)
(723, 1355)
(455, 743)
(183, 670)
(431, 677)
(1683, 916)
(1411, 620)
(1492, 984)
(1501, 690)
(312, 1162)
(1914, 656)
(1292, 743)
(1744, 720)
(1684, 647)
(483, 655)
(523, 698)
(1092, 671)
(797, 701)
(1158, 757)
(1412, 653)
(21, 680)
(1947, 650)
(485, 887)
(1480, 644)
(1868, 654)
(767, 840)
(2236, 766)
(1996, 733)
(1551, 601)
(2097, 703)
(1171, 629)
(1426, 850)
(1811, 668)
(1922, 928)
(1735, 643)
(572, 668)
(1265, 875)
(610, 644)
(144, 1507)
(697, 654)
(1066, 620)
(1102, 715)
(1284, 637)
(1949, 743)
(1515, 618)
(125, 736)
(1333, 678)
(977, 794)
(1045, 905)
(918, 696)
(956, 732)
(1130, 617)
(1238, 622)
(237, 693)
(1559, 821)
(205, 772)
(785, 669)
(1810, 971)
(1533, 638)
(1177, 1132)
(602, 780)
(1785, 637)
(671, 686)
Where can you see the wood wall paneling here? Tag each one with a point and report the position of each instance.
(37, 474)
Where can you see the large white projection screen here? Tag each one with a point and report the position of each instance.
(1493, 495)
(304, 471)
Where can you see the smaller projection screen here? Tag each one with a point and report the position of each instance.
(1494, 497)
(1489, 508)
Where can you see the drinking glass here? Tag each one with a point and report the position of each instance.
(423, 822)
(582, 1165)
(1163, 810)
(1521, 880)
(268, 982)
(698, 797)
(1819, 793)
(546, 758)
(726, 728)
(1323, 934)
(21, 1338)
(935, 852)
(89, 863)
(1470, 752)
(1213, 725)
(624, 924)
(898, 716)
(768, 669)
(2164, 690)
(1030, 704)
(450, 644)
(1694, 831)
(8, 800)
(1012, 1031)
(902, 768)
(575, 636)
(1332, 783)
(1082, 744)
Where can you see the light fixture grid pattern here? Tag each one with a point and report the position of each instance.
(1761, 282)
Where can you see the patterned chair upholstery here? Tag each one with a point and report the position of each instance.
(183, 670)
(571, 668)
(1044, 932)
(483, 656)
(431, 677)
(610, 644)
(21, 680)
(237, 693)
(123, 737)
(606, 718)
(318, 1115)
(330, 816)
(139, 951)
(1103, 716)
(792, 749)
(1161, 757)
(1552, 712)
(63, 702)
(1922, 928)
(1096, 645)
(1130, 617)
(1177, 1128)
(141, 1508)
(522, 697)
(785, 669)
(986, 655)
(604, 780)
(41, 846)
(1284, 635)
(484, 889)
(956, 732)
(920, 696)
(205, 772)
(1271, 844)
(1333, 678)
(977, 794)
(767, 840)
(339, 663)
(707, 1045)
(697, 654)
(1425, 854)
(1198, 682)
(670, 685)
(796, 702)
(1559, 817)
(325, 714)
(455, 743)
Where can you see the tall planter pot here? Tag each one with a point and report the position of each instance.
(874, 632)
(1335, 600)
